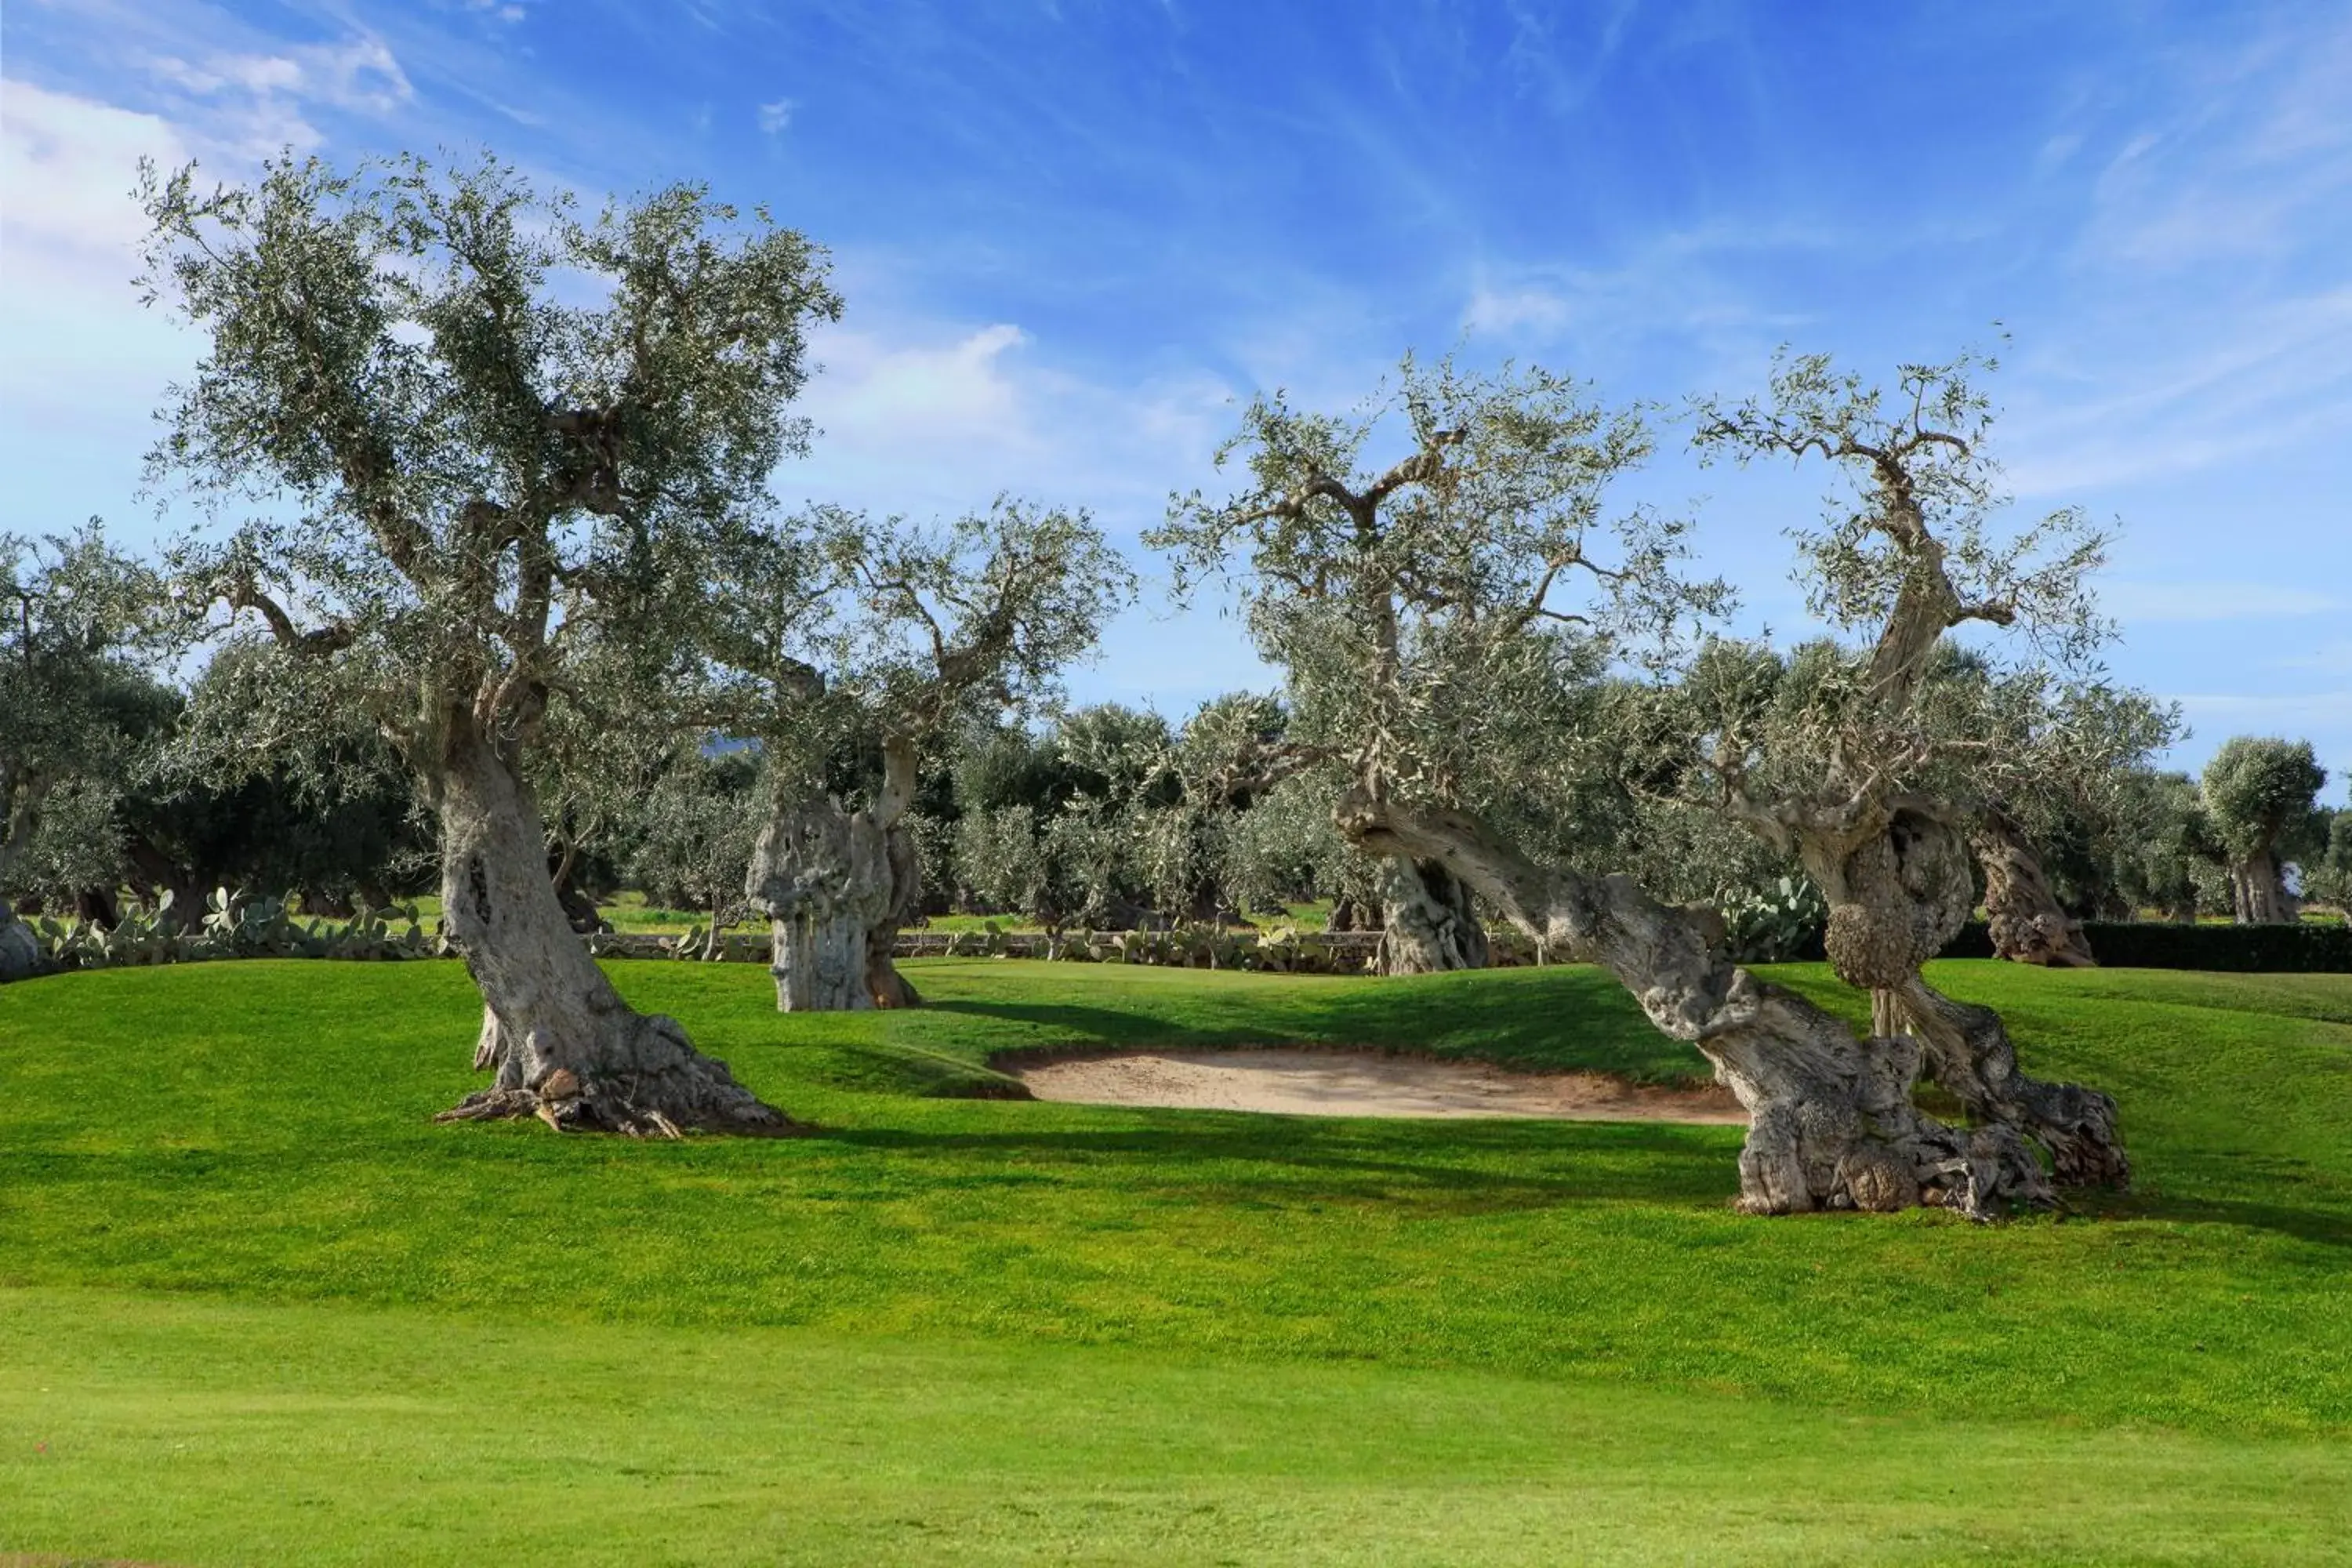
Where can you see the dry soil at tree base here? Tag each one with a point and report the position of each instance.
(1300, 1082)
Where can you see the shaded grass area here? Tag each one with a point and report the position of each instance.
(199, 1431)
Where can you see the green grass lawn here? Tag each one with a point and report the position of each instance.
(256, 1306)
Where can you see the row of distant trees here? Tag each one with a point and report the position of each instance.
(1104, 816)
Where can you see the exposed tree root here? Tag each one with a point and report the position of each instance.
(657, 1085)
(1969, 1052)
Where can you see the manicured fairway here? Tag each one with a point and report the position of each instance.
(1001, 1330)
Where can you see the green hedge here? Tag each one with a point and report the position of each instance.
(2155, 944)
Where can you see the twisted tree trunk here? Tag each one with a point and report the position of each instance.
(2022, 916)
(1967, 1053)
(821, 876)
(883, 982)
(562, 1045)
(1431, 921)
(1898, 885)
(1831, 1123)
(836, 885)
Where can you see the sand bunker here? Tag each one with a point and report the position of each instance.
(1297, 1082)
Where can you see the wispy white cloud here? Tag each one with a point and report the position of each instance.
(775, 115)
(2257, 143)
(923, 418)
(79, 349)
(1541, 313)
(252, 104)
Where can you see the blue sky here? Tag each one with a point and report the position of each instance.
(1072, 234)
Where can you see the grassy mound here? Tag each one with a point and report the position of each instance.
(892, 1337)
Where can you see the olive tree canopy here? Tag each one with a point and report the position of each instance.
(1437, 576)
(2262, 795)
(483, 430)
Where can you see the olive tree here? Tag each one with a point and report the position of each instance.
(78, 703)
(692, 831)
(1874, 773)
(2262, 793)
(1428, 599)
(1418, 599)
(881, 631)
(485, 430)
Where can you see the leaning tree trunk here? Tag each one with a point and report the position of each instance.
(2022, 916)
(1831, 1120)
(836, 885)
(1431, 921)
(563, 1044)
(1899, 889)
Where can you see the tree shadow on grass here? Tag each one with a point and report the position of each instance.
(2323, 1227)
(1656, 1162)
(1088, 1027)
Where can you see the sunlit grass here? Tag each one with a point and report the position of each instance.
(1063, 1309)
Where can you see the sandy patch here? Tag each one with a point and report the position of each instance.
(1296, 1082)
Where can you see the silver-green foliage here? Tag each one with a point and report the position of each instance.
(2262, 793)
(80, 706)
(487, 433)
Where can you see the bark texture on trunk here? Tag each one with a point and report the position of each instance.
(1832, 1122)
(822, 875)
(2258, 892)
(1967, 1053)
(1899, 890)
(837, 885)
(883, 982)
(563, 1046)
(1431, 920)
(2022, 915)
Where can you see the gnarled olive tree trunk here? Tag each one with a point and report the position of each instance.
(1832, 1122)
(2258, 895)
(561, 1043)
(1430, 919)
(836, 885)
(1896, 878)
(883, 982)
(2022, 915)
